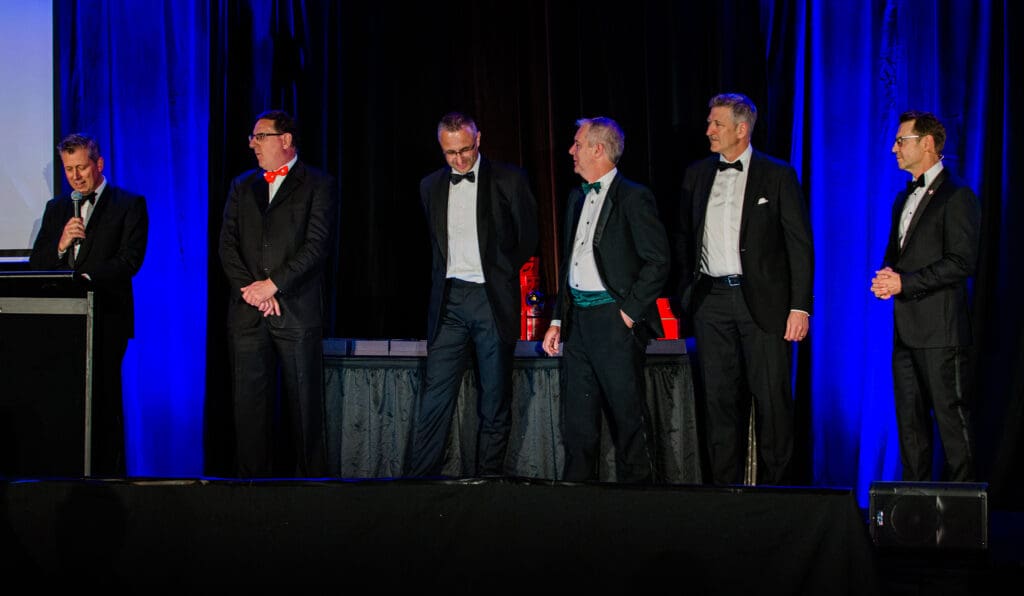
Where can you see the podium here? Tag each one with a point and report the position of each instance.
(46, 359)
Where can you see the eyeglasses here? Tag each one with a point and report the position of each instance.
(258, 137)
(900, 140)
(461, 152)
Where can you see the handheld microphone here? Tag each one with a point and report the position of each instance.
(76, 201)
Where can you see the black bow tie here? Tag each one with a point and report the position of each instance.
(456, 178)
(913, 184)
(724, 165)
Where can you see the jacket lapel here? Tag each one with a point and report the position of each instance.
(921, 206)
(439, 212)
(702, 193)
(260, 192)
(755, 182)
(483, 207)
(610, 202)
(100, 207)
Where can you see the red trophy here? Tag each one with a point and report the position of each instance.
(531, 320)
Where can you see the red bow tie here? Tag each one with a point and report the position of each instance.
(271, 176)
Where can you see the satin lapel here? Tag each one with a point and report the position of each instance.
(921, 206)
(702, 195)
(260, 192)
(577, 197)
(755, 182)
(439, 212)
(99, 208)
(610, 202)
(483, 206)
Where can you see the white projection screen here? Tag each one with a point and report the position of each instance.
(26, 122)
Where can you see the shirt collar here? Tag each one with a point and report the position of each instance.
(744, 157)
(931, 173)
(99, 189)
(606, 180)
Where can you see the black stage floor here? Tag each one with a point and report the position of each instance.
(497, 535)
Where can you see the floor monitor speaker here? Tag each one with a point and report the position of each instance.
(929, 515)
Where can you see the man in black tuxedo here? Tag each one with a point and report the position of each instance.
(932, 250)
(105, 247)
(483, 227)
(278, 229)
(746, 262)
(615, 265)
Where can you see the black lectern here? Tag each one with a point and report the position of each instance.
(46, 329)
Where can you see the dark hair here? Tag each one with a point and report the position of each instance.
(283, 122)
(743, 109)
(925, 124)
(607, 132)
(454, 122)
(78, 140)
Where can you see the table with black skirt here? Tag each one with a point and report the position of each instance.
(371, 390)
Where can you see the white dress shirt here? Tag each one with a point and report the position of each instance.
(720, 248)
(583, 274)
(463, 240)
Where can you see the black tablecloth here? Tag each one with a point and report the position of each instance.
(370, 403)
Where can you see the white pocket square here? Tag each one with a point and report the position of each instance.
(762, 201)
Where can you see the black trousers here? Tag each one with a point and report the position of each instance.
(740, 363)
(467, 324)
(108, 459)
(256, 354)
(930, 381)
(603, 366)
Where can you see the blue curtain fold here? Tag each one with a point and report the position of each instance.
(136, 76)
(865, 64)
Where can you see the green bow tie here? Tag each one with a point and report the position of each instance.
(596, 187)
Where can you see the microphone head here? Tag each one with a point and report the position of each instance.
(76, 201)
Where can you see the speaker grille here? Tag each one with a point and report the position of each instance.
(929, 515)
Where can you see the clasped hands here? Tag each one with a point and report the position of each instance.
(261, 295)
(886, 283)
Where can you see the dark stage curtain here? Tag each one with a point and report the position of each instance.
(370, 80)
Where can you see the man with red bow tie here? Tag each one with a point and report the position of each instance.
(279, 224)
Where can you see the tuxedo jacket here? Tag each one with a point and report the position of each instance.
(110, 255)
(631, 251)
(506, 224)
(776, 251)
(288, 241)
(939, 254)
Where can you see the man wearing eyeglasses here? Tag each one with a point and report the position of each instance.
(746, 260)
(482, 220)
(932, 251)
(277, 234)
